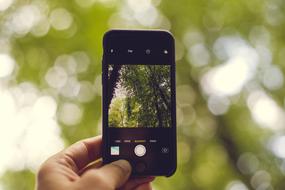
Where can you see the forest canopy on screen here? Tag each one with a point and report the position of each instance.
(139, 96)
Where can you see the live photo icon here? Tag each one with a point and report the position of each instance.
(115, 150)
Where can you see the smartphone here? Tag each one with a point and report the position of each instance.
(139, 100)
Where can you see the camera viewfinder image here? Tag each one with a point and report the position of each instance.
(139, 96)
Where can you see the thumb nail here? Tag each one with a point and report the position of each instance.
(124, 165)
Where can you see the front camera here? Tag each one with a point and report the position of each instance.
(147, 51)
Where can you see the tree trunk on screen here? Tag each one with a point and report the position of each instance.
(112, 83)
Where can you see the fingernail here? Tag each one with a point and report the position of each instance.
(124, 165)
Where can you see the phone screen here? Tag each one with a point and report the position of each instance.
(139, 120)
(139, 96)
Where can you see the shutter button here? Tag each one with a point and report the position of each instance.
(140, 150)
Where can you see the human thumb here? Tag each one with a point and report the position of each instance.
(112, 175)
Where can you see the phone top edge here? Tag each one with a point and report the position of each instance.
(137, 30)
(113, 32)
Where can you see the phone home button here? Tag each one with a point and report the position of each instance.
(140, 150)
(140, 167)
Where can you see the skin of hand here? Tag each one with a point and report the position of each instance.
(72, 169)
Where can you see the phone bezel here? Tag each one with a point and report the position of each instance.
(155, 40)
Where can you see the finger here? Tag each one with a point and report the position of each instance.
(135, 182)
(110, 176)
(80, 154)
(145, 186)
(118, 172)
(93, 165)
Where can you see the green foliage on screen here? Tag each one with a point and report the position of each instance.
(141, 96)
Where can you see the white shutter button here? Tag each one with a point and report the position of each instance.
(140, 150)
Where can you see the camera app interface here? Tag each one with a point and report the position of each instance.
(139, 114)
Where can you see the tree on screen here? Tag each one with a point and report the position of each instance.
(146, 101)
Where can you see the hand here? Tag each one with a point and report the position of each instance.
(72, 169)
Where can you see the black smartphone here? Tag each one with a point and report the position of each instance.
(139, 100)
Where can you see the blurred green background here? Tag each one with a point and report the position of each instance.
(230, 85)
